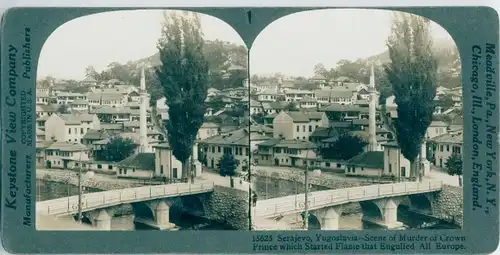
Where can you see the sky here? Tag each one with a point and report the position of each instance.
(291, 45)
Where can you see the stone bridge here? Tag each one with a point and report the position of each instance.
(151, 204)
(378, 203)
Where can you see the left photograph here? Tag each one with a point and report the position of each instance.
(142, 124)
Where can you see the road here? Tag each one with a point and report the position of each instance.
(433, 175)
(205, 177)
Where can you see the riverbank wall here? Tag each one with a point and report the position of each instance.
(448, 205)
(228, 206)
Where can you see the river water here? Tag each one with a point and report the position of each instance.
(265, 188)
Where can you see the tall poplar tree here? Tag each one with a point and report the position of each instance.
(412, 73)
(183, 75)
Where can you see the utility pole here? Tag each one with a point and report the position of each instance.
(306, 195)
(80, 191)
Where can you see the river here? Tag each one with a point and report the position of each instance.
(265, 187)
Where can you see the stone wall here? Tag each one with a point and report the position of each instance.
(448, 205)
(325, 180)
(71, 178)
(228, 206)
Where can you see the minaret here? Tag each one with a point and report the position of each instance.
(143, 112)
(372, 111)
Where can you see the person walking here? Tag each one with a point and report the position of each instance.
(254, 198)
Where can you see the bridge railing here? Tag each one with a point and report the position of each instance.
(320, 199)
(90, 201)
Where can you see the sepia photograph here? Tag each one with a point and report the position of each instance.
(356, 123)
(142, 124)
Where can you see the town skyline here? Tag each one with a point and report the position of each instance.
(141, 43)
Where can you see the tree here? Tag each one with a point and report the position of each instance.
(445, 101)
(227, 166)
(413, 76)
(258, 117)
(292, 106)
(63, 109)
(117, 149)
(319, 69)
(184, 78)
(345, 147)
(92, 73)
(454, 166)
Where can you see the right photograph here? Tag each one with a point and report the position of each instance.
(356, 123)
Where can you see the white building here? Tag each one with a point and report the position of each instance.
(65, 155)
(70, 127)
(235, 143)
(298, 125)
(444, 146)
(69, 97)
(436, 128)
(166, 165)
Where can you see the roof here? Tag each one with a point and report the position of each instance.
(333, 93)
(164, 145)
(93, 134)
(449, 139)
(209, 125)
(268, 92)
(142, 161)
(438, 123)
(344, 108)
(46, 108)
(44, 144)
(324, 132)
(291, 144)
(369, 159)
(305, 116)
(68, 146)
(254, 103)
(307, 99)
(76, 119)
(79, 101)
(237, 137)
(112, 110)
(105, 96)
(318, 77)
(89, 79)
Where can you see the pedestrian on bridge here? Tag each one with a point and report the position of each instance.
(254, 198)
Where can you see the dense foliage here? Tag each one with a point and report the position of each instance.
(412, 74)
(183, 75)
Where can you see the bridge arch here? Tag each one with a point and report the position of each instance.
(371, 209)
(142, 210)
(193, 205)
(313, 222)
(420, 203)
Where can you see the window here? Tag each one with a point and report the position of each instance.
(390, 168)
(327, 164)
(99, 166)
(110, 167)
(298, 128)
(339, 165)
(303, 128)
(213, 149)
(447, 147)
(69, 131)
(81, 131)
(310, 128)
(441, 148)
(218, 149)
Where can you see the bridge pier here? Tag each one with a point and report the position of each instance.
(101, 218)
(329, 217)
(389, 213)
(160, 210)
